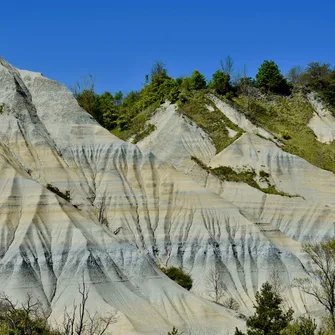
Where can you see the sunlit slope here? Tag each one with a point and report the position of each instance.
(151, 214)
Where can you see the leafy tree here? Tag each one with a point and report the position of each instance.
(321, 283)
(118, 98)
(301, 326)
(270, 79)
(108, 109)
(179, 81)
(221, 83)
(316, 71)
(186, 84)
(173, 96)
(198, 81)
(295, 75)
(179, 276)
(157, 69)
(320, 78)
(88, 100)
(269, 318)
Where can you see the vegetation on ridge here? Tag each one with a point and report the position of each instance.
(247, 176)
(214, 122)
(270, 100)
(287, 118)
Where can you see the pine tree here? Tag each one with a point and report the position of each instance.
(270, 79)
(198, 81)
(269, 318)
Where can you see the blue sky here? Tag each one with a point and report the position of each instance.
(118, 41)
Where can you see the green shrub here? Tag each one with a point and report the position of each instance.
(175, 331)
(264, 174)
(66, 196)
(1, 109)
(14, 321)
(180, 277)
(301, 326)
(286, 135)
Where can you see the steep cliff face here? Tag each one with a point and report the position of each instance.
(127, 211)
(124, 209)
(305, 211)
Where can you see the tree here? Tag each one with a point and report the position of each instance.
(221, 83)
(84, 91)
(158, 68)
(118, 98)
(295, 74)
(198, 81)
(301, 326)
(321, 283)
(269, 318)
(81, 321)
(270, 79)
(227, 66)
(186, 84)
(231, 303)
(108, 110)
(27, 318)
(316, 71)
(215, 286)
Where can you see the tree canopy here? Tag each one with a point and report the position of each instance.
(269, 78)
(269, 318)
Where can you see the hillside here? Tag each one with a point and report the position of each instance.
(205, 187)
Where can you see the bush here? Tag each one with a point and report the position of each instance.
(264, 174)
(179, 276)
(66, 196)
(301, 326)
(29, 319)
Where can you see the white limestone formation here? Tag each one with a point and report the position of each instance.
(135, 207)
(284, 221)
(128, 211)
(323, 122)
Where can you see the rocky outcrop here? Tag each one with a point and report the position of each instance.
(286, 222)
(322, 122)
(78, 204)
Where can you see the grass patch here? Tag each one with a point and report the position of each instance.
(248, 176)
(148, 129)
(138, 126)
(287, 118)
(214, 123)
(66, 196)
(226, 173)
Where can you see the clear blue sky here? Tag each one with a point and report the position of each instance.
(118, 41)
